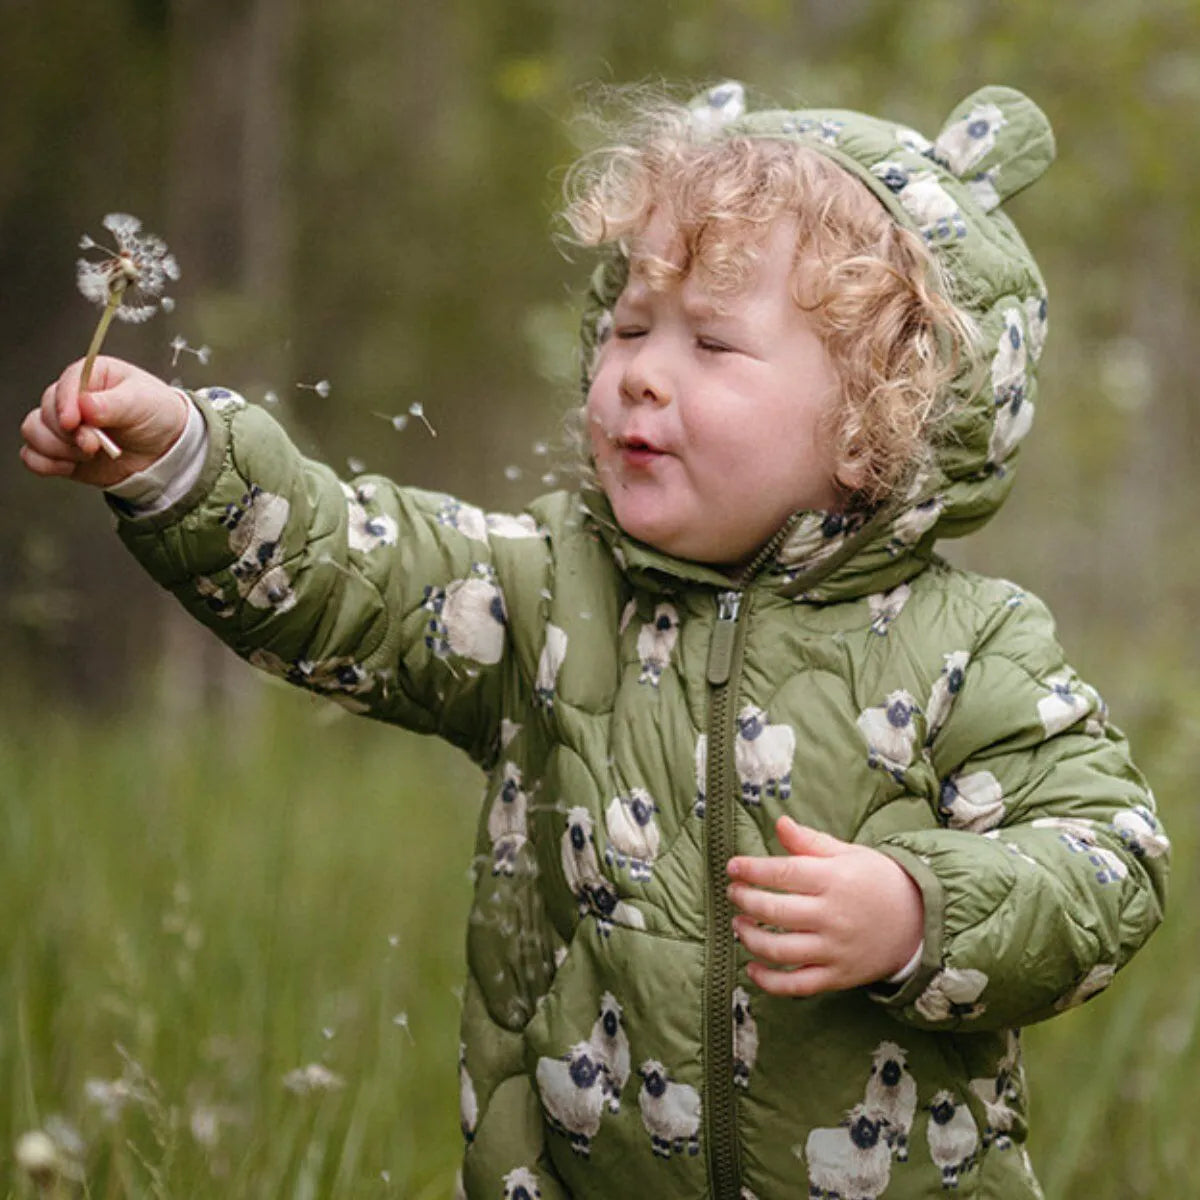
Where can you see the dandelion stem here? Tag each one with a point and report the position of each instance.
(114, 302)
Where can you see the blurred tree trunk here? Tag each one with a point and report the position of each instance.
(230, 228)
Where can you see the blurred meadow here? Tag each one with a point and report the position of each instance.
(234, 917)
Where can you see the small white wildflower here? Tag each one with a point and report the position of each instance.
(109, 1096)
(312, 1078)
(38, 1156)
(417, 409)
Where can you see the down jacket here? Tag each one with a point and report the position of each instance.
(642, 719)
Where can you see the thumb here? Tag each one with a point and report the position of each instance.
(800, 839)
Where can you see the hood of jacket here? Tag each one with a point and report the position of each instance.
(950, 191)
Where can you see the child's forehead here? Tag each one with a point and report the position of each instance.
(712, 263)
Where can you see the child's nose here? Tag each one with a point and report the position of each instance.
(645, 377)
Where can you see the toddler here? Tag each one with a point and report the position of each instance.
(791, 825)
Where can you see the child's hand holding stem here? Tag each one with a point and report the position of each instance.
(144, 415)
(840, 915)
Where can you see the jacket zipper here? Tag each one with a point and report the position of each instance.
(721, 791)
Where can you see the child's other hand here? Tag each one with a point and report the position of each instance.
(141, 413)
(846, 914)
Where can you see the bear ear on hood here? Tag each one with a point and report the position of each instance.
(997, 141)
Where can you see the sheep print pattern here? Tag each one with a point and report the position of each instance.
(877, 694)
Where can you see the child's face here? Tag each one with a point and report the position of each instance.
(708, 421)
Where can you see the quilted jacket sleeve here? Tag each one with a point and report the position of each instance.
(1049, 869)
(388, 600)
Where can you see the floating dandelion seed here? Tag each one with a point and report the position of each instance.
(549, 479)
(356, 466)
(386, 1176)
(180, 345)
(128, 282)
(328, 1033)
(393, 940)
(312, 1078)
(397, 422)
(417, 409)
(400, 1020)
(321, 387)
(512, 473)
(541, 448)
(270, 397)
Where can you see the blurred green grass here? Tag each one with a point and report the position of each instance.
(197, 911)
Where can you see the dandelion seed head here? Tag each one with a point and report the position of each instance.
(134, 276)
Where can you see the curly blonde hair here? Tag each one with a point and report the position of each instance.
(877, 297)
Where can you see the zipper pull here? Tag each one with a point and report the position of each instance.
(720, 649)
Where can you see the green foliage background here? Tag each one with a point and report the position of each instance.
(365, 193)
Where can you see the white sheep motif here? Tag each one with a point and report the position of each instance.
(763, 754)
(1081, 836)
(953, 1137)
(944, 692)
(469, 618)
(366, 531)
(550, 662)
(892, 1092)
(256, 526)
(633, 833)
(506, 824)
(998, 1092)
(610, 1048)
(656, 643)
(581, 869)
(973, 802)
(574, 1089)
(670, 1111)
(745, 1038)
(852, 1161)
(953, 992)
(522, 1184)
(701, 774)
(468, 1104)
(885, 607)
(969, 139)
(1094, 982)
(914, 523)
(932, 207)
(1013, 410)
(1140, 832)
(890, 732)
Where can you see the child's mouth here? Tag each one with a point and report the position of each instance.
(637, 452)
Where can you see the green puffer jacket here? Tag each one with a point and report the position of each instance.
(642, 719)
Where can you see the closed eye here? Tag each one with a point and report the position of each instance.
(625, 333)
(713, 346)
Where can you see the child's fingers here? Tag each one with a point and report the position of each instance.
(804, 981)
(786, 949)
(47, 442)
(41, 464)
(788, 872)
(788, 910)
